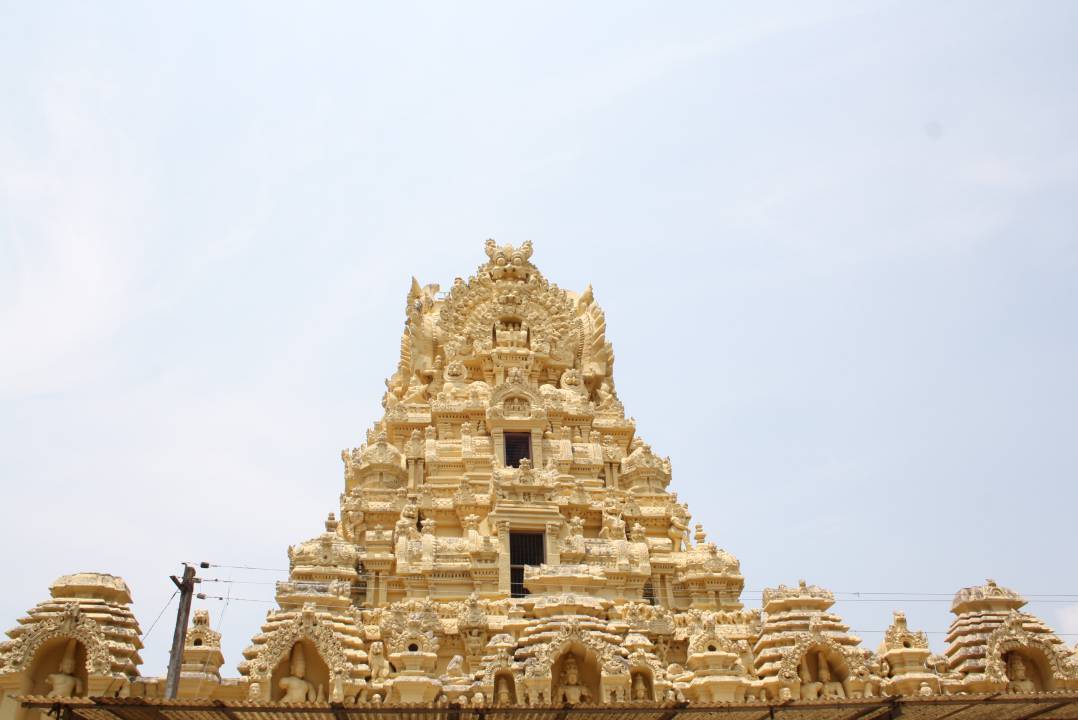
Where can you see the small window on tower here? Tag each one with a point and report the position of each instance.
(518, 445)
(524, 549)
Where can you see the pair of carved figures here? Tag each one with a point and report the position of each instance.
(824, 686)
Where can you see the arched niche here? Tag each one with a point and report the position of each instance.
(837, 665)
(316, 671)
(505, 688)
(641, 676)
(1037, 669)
(47, 661)
(588, 672)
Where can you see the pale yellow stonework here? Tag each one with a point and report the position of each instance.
(502, 430)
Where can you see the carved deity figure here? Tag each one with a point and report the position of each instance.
(511, 334)
(296, 688)
(1016, 673)
(640, 688)
(504, 692)
(613, 526)
(606, 397)
(405, 529)
(831, 689)
(810, 689)
(64, 684)
(679, 528)
(417, 390)
(570, 689)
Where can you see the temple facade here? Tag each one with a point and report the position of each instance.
(505, 538)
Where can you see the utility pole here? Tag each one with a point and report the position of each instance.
(179, 637)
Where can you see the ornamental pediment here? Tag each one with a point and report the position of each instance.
(989, 596)
(642, 461)
(783, 597)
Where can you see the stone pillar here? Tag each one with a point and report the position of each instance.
(503, 558)
(667, 590)
(537, 448)
(553, 544)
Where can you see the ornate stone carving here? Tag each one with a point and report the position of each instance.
(306, 625)
(576, 577)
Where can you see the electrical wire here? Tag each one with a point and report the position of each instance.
(154, 623)
(386, 576)
(341, 608)
(749, 594)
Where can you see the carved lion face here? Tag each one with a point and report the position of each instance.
(455, 371)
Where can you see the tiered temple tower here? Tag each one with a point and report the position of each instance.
(505, 538)
(504, 534)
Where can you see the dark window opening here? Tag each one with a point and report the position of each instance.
(524, 549)
(516, 582)
(518, 445)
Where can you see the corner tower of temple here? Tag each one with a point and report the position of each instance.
(504, 538)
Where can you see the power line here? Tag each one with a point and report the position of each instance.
(154, 623)
(337, 607)
(386, 576)
(746, 594)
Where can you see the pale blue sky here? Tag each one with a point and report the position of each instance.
(837, 244)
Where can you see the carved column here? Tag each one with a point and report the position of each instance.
(415, 450)
(668, 590)
(503, 559)
(537, 448)
(553, 543)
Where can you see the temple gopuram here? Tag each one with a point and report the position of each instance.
(506, 544)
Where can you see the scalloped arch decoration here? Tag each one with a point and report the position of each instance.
(806, 642)
(280, 644)
(73, 624)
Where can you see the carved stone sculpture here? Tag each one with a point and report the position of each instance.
(570, 689)
(1016, 674)
(507, 538)
(296, 688)
(63, 682)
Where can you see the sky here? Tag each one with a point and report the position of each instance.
(836, 243)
